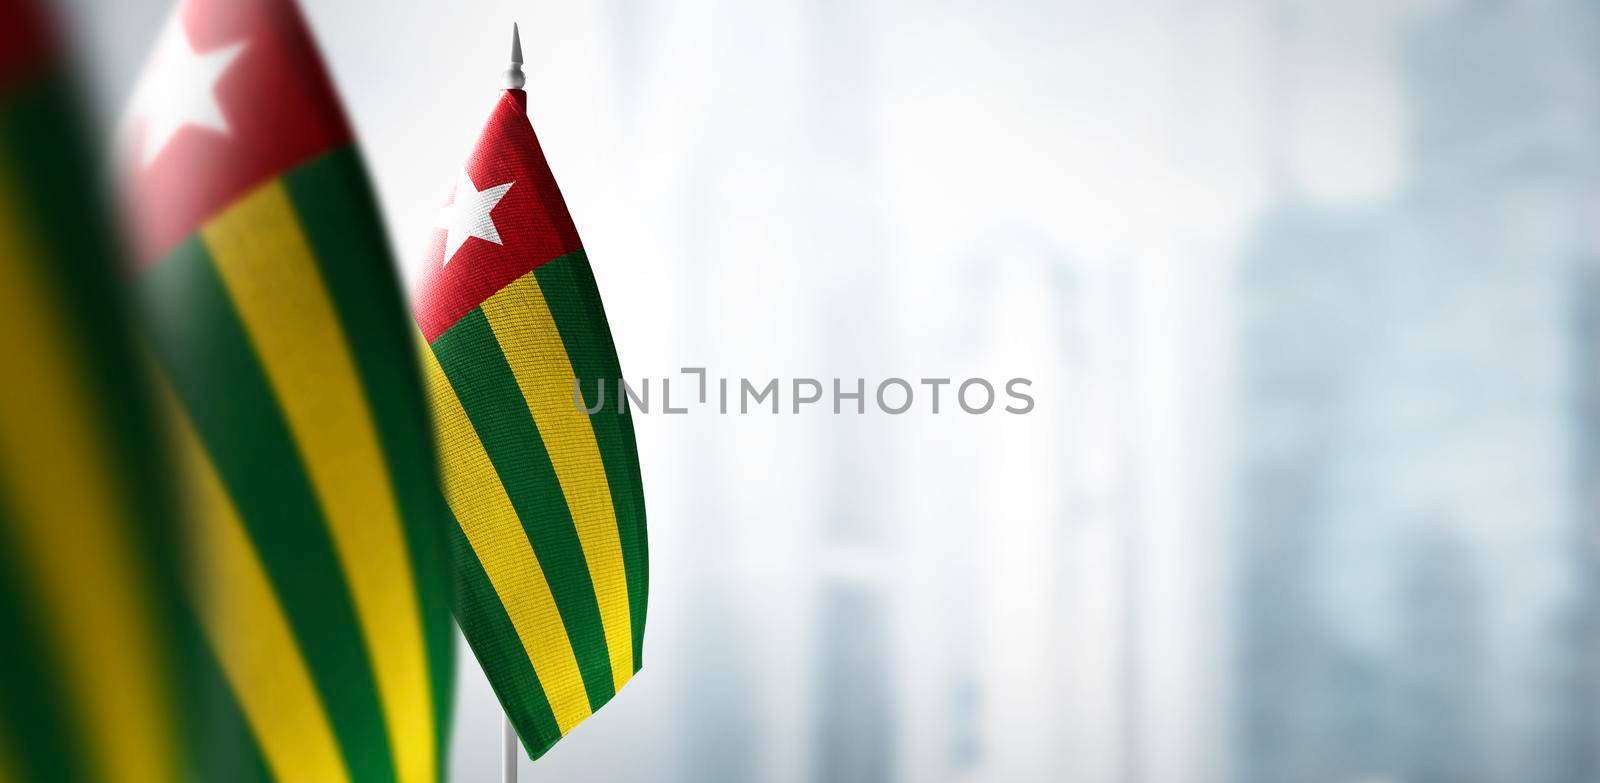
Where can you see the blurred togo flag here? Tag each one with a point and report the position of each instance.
(283, 358)
(90, 661)
(549, 550)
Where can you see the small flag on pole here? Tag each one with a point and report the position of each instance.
(279, 336)
(549, 546)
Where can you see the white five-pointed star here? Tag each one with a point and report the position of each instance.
(468, 215)
(179, 89)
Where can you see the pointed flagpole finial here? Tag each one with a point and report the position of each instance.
(513, 77)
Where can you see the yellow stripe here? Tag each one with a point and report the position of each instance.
(246, 625)
(8, 761)
(262, 256)
(73, 531)
(495, 532)
(528, 336)
(8, 758)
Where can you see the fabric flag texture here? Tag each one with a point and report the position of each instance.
(90, 660)
(549, 547)
(285, 364)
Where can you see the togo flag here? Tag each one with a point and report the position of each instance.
(549, 541)
(90, 663)
(283, 355)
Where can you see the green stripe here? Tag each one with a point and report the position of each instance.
(488, 390)
(203, 348)
(57, 184)
(222, 746)
(43, 739)
(499, 649)
(341, 222)
(47, 160)
(574, 299)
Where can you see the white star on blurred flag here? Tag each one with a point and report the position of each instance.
(179, 89)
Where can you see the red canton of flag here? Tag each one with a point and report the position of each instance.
(241, 96)
(531, 220)
(24, 42)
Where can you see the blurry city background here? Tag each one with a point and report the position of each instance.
(1310, 293)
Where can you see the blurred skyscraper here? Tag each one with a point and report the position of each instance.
(1032, 605)
(854, 715)
(1579, 634)
(1441, 660)
(1412, 447)
(1305, 707)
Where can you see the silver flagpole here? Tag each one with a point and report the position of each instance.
(508, 751)
(508, 733)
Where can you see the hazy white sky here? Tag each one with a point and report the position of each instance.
(733, 184)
